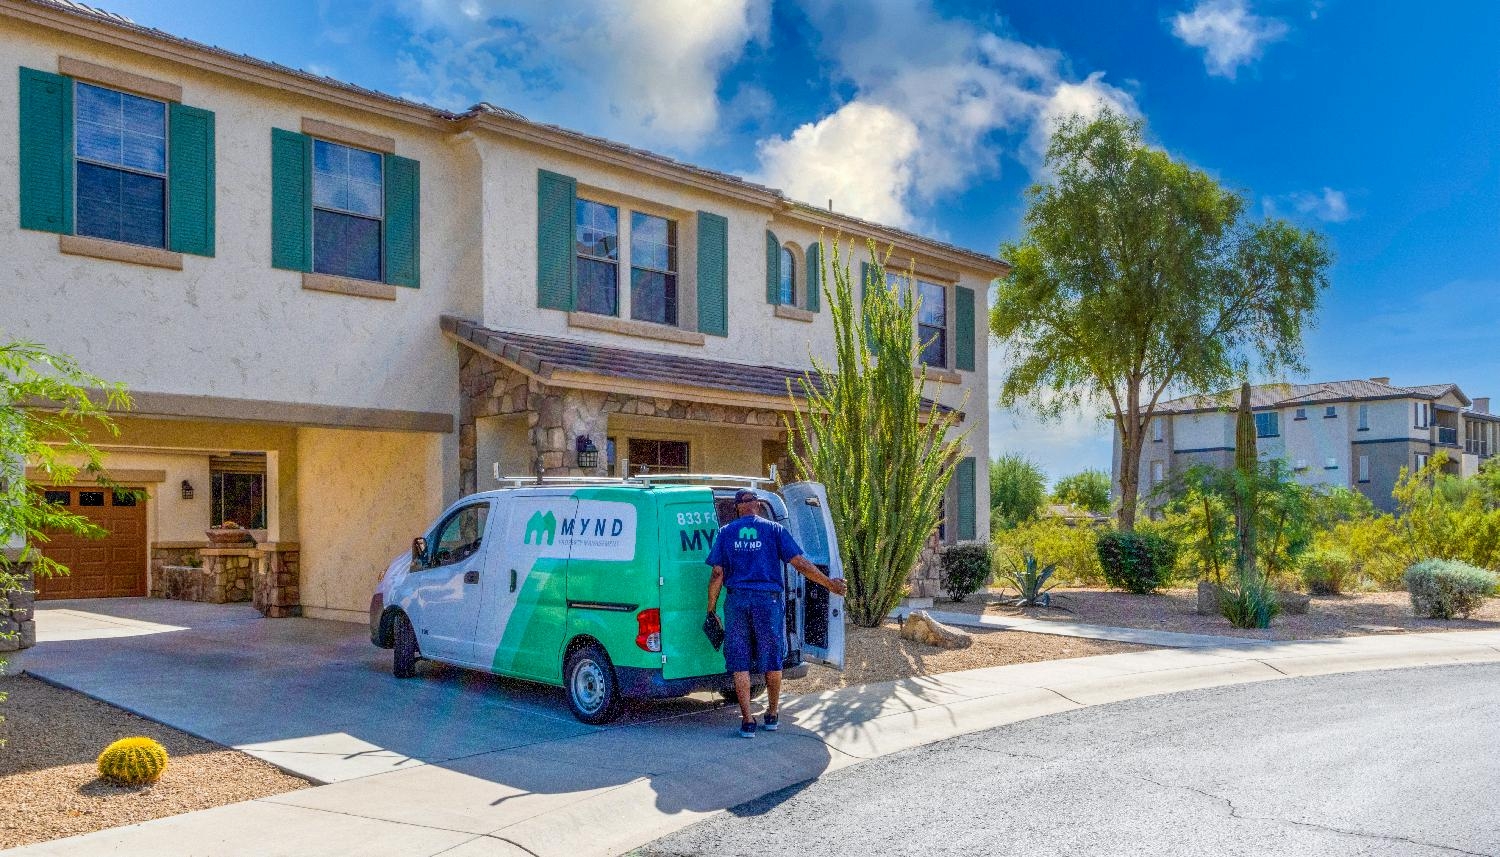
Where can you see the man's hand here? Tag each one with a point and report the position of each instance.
(805, 568)
(837, 587)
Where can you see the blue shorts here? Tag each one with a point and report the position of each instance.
(754, 631)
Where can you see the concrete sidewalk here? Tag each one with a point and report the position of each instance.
(604, 792)
(1142, 636)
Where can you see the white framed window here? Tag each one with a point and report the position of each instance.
(1364, 417)
(1158, 472)
(1268, 424)
(348, 210)
(653, 268)
(1330, 412)
(1158, 429)
(596, 229)
(1364, 468)
(1422, 414)
(1331, 463)
(1301, 414)
(1421, 460)
(787, 291)
(120, 163)
(932, 317)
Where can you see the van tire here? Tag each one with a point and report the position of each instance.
(732, 698)
(404, 652)
(593, 691)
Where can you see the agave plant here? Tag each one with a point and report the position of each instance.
(1030, 582)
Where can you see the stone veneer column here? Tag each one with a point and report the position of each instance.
(17, 616)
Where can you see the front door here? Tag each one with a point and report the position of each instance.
(822, 612)
(109, 567)
(445, 595)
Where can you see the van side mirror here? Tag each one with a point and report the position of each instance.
(812, 501)
(418, 551)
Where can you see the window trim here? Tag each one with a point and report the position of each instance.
(1273, 415)
(687, 266)
(949, 288)
(674, 232)
(312, 216)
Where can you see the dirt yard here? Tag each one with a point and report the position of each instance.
(1175, 610)
(51, 788)
(880, 654)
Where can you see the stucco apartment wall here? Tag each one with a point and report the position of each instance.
(232, 325)
(365, 495)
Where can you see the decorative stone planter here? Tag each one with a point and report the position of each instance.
(229, 537)
(223, 579)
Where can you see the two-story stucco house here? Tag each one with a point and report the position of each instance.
(338, 310)
(1350, 434)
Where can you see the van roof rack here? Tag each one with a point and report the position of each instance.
(645, 480)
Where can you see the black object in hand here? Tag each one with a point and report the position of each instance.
(714, 630)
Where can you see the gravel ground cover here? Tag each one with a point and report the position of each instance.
(881, 654)
(49, 787)
(1175, 610)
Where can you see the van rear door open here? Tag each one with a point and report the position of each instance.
(688, 525)
(822, 620)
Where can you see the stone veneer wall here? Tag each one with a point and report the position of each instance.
(267, 575)
(17, 616)
(277, 586)
(556, 416)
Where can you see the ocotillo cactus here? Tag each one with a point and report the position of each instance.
(1246, 465)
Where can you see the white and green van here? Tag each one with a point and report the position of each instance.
(596, 586)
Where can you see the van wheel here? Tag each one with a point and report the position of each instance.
(593, 692)
(732, 698)
(404, 653)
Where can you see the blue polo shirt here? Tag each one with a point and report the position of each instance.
(751, 551)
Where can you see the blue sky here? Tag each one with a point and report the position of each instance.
(1374, 123)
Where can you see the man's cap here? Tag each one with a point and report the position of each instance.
(745, 495)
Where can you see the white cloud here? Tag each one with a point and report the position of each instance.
(1076, 440)
(1328, 205)
(934, 98)
(1229, 34)
(647, 72)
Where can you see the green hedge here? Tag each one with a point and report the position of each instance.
(1136, 562)
(966, 569)
(1445, 588)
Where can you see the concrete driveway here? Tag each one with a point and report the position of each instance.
(311, 696)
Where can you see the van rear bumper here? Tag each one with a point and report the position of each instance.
(642, 683)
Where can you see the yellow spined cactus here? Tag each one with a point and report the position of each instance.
(133, 762)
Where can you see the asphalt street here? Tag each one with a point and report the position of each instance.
(1396, 762)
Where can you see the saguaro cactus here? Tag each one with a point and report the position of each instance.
(1246, 463)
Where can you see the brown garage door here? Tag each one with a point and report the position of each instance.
(111, 567)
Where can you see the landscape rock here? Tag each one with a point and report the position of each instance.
(922, 628)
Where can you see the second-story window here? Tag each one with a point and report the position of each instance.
(597, 243)
(121, 158)
(932, 324)
(1158, 429)
(1364, 417)
(1267, 424)
(653, 268)
(348, 211)
(788, 293)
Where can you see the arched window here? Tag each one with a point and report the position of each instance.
(788, 277)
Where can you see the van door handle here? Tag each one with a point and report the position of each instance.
(512, 580)
(471, 577)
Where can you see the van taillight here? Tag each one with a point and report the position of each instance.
(648, 623)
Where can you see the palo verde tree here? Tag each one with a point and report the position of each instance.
(1139, 275)
(1086, 489)
(863, 431)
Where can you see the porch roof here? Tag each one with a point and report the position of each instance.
(556, 359)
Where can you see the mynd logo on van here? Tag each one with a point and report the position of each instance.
(584, 529)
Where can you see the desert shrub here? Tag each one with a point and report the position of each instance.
(965, 569)
(1328, 571)
(1139, 562)
(1445, 588)
(1030, 581)
(133, 762)
(1249, 603)
(1071, 549)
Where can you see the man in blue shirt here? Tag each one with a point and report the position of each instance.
(747, 555)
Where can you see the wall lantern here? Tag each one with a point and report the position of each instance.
(187, 490)
(588, 454)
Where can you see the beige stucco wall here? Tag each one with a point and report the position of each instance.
(232, 325)
(711, 448)
(364, 495)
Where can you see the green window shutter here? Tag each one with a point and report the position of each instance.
(46, 164)
(814, 277)
(291, 200)
(191, 179)
(773, 268)
(555, 263)
(864, 286)
(403, 216)
(964, 477)
(713, 274)
(963, 322)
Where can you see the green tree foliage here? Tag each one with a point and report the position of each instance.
(864, 434)
(1199, 517)
(1137, 275)
(51, 440)
(1018, 490)
(1441, 516)
(1072, 549)
(1087, 490)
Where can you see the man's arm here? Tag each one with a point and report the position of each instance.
(805, 568)
(715, 583)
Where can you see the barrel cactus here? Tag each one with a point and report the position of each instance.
(133, 762)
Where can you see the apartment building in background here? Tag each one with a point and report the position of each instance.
(1351, 434)
(338, 310)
